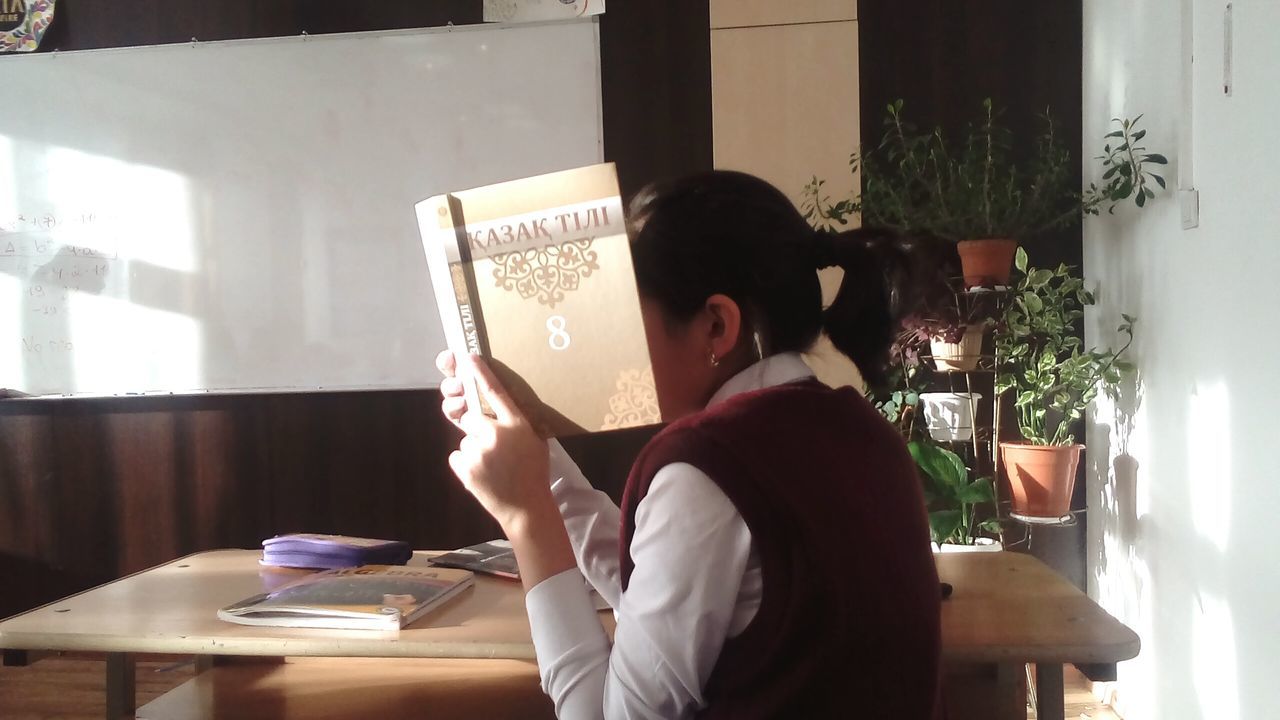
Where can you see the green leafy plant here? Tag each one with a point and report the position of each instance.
(898, 406)
(1041, 359)
(953, 500)
(1125, 169)
(969, 185)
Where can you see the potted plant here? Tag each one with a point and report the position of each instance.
(948, 416)
(954, 325)
(954, 500)
(1053, 379)
(970, 188)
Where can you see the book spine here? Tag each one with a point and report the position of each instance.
(466, 315)
(466, 297)
(462, 275)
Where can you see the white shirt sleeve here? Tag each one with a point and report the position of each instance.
(691, 549)
(592, 521)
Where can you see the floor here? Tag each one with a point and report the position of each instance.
(1080, 703)
(70, 687)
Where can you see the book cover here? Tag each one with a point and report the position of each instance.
(493, 558)
(321, 551)
(370, 597)
(536, 276)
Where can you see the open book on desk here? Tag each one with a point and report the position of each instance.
(370, 597)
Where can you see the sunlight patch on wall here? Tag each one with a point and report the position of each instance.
(153, 349)
(1209, 462)
(1213, 649)
(142, 212)
(105, 265)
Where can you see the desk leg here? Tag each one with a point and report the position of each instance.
(121, 690)
(1050, 703)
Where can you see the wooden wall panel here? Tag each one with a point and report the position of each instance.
(786, 108)
(94, 489)
(754, 13)
(785, 103)
(656, 81)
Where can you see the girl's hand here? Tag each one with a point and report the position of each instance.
(453, 402)
(502, 461)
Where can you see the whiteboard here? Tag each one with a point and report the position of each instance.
(238, 216)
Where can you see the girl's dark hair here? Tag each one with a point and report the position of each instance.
(735, 234)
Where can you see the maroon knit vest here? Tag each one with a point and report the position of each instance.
(848, 624)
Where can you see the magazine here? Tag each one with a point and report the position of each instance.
(369, 597)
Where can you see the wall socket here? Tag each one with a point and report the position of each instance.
(1189, 205)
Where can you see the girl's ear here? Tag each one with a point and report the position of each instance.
(725, 324)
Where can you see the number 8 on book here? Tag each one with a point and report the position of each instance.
(535, 275)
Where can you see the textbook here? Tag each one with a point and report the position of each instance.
(496, 557)
(535, 275)
(314, 550)
(370, 597)
(493, 558)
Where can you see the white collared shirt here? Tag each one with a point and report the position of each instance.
(696, 582)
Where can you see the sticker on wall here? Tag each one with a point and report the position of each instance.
(22, 24)
(538, 10)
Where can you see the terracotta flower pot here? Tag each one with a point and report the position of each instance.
(1041, 478)
(963, 355)
(986, 262)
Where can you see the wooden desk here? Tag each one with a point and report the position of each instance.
(1007, 609)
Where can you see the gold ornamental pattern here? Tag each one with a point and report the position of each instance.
(546, 273)
(635, 403)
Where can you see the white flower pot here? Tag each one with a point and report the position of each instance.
(948, 416)
(979, 545)
(961, 356)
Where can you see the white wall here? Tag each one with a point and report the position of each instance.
(1184, 473)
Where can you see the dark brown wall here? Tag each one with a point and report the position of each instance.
(942, 58)
(93, 489)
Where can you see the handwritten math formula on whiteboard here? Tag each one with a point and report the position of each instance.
(42, 251)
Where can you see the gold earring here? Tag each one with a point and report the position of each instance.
(715, 361)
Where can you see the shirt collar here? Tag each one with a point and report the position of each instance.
(774, 370)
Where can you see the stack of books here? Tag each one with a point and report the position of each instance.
(312, 550)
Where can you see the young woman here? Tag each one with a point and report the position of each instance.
(774, 557)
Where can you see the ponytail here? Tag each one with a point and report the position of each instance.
(886, 278)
